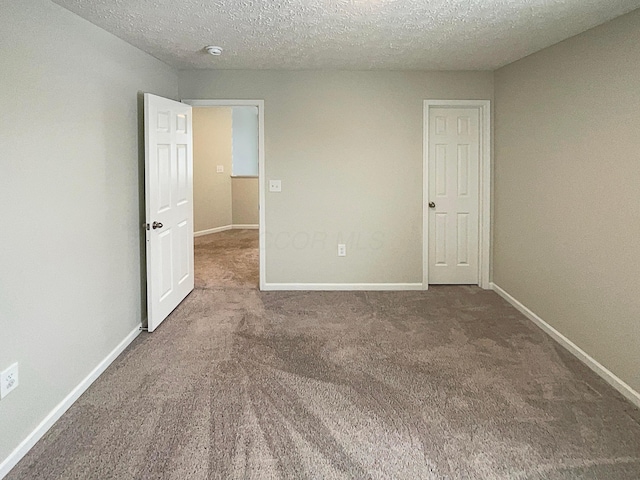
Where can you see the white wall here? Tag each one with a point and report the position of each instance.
(71, 159)
(567, 178)
(348, 149)
(245, 141)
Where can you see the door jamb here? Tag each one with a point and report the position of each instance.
(484, 217)
(261, 166)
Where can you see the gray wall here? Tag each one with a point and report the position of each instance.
(70, 275)
(567, 180)
(212, 146)
(348, 149)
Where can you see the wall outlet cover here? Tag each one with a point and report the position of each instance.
(8, 380)
(220, 169)
(275, 185)
(342, 250)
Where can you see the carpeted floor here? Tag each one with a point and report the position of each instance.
(452, 383)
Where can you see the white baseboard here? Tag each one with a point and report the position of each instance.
(584, 357)
(245, 226)
(212, 230)
(241, 226)
(53, 416)
(341, 286)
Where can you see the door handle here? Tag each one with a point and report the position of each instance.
(432, 205)
(156, 225)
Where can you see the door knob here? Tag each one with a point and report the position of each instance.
(156, 225)
(432, 205)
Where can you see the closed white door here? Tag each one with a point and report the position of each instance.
(169, 205)
(453, 201)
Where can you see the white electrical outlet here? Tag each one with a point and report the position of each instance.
(8, 380)
(275, 185)
(342, 250)
(220, 169)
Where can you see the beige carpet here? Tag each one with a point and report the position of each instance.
(237, 384)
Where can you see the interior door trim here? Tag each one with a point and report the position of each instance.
(261, 168)
(484, 237)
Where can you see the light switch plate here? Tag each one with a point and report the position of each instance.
(220, 169)
(275, 185)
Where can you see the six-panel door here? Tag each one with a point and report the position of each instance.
(454, 140)
(169, 205)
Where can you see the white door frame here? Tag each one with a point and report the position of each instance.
(484, 237)
(261, 168)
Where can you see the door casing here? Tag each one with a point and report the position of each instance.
(261, 167)
(484, 237)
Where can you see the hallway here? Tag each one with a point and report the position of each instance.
(227, 259)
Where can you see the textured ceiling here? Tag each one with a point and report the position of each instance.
(346, 34)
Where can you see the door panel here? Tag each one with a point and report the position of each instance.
(185, 237)
(463, 239)
(165, 246)
(454, 154)
(169, 205)
(440, 256)
(164, 178)
(183, 175)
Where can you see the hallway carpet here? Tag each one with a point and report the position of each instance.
(452, 383)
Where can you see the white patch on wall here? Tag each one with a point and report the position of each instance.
(245, 141)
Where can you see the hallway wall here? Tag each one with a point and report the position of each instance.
(219, 199)
(245, 201)
(212, 146)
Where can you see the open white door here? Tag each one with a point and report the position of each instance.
(169, 205)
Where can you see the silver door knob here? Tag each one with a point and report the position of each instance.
(432, 205)
(156, 225)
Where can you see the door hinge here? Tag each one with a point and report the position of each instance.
(146, 226)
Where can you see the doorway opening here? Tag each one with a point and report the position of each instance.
(456, 192)
(228, 172)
